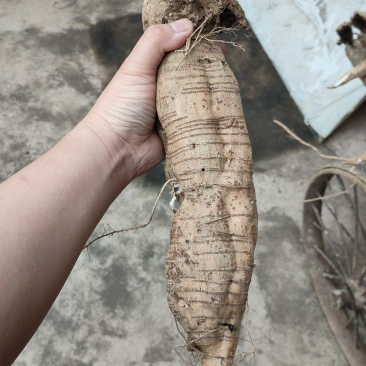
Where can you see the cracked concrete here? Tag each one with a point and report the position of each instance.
(113, 309)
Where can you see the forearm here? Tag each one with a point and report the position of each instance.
(69, 189)
(49, 209)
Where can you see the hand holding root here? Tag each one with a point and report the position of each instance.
(125, 113)
(211, 255)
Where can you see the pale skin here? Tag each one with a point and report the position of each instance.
(49, 209)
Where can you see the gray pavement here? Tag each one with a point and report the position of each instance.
(113, 309)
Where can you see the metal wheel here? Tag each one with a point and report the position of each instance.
(335, 241)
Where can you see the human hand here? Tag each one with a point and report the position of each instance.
(125, 113)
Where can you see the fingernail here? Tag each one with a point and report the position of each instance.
(181, 25)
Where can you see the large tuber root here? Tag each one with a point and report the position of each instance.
(208, 153)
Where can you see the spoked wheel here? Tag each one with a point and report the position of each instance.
(335, 242)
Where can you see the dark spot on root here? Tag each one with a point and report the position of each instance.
(205, 61)
(227, 18)
(231, 327)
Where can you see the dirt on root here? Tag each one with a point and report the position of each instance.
(223, 13)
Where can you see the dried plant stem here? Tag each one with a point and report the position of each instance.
(351, 161)
(324, 198)
(358, 71)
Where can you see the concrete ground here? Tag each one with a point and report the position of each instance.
(55, 58)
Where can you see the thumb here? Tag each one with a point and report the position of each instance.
(157, 39)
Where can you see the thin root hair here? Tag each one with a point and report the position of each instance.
(197, 37)
(111, 231)
(245, 357)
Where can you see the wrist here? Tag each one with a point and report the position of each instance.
(134, 153)
(109, 147)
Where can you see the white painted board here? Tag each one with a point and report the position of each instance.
(300, 38)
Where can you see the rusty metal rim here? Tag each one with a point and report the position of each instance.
(311, 237)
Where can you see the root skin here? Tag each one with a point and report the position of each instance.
(213, 234)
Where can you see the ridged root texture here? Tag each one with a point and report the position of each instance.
(208, 152)
(213, 235)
